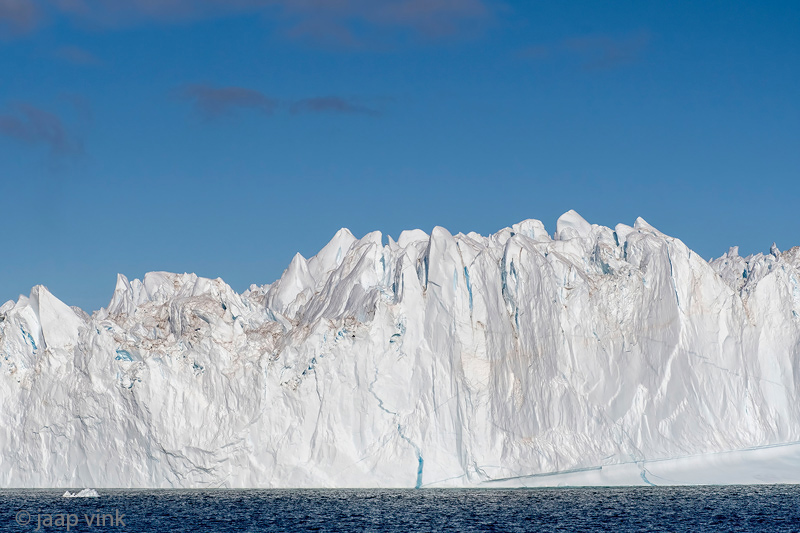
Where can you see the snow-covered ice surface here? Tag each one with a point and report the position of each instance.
(596, 356)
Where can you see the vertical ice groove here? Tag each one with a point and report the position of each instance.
(672, 279)
(469, 287)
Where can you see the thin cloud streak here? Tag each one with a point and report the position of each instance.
(354, 23)
(213, 102)
(594, 52)
(330, 104)
(32, 125)
(433, 17)
(78, 56)
(605, 51)
(322, 21)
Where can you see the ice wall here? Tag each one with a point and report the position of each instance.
(433, 360)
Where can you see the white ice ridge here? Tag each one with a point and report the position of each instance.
(433, 360)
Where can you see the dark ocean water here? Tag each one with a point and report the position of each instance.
(696, 509)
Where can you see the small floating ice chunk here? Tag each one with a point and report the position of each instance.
(85, 493)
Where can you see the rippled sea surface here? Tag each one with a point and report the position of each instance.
(731, 508)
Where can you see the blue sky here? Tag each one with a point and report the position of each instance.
(222, 137)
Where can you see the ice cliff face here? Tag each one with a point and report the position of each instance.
(430, 360)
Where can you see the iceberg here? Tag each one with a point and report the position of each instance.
(83, 493)
(592, 356)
